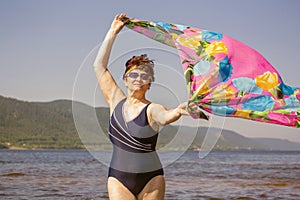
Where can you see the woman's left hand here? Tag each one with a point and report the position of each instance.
(183, 108)
(192, 109)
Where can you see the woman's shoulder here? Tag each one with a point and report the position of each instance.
(155, 107)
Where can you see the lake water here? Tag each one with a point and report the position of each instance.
(76, 174)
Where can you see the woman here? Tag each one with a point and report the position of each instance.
(135, 171)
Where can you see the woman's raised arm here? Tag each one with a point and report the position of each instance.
(111, 91)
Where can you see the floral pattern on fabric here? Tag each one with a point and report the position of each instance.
(226, 77)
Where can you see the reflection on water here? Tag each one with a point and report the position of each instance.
(75, 174)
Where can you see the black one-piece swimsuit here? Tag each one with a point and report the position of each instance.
(134, 161)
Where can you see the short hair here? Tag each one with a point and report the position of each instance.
(141, 62)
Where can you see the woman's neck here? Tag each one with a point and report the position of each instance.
(136, 97)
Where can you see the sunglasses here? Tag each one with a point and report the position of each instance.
(135, 75)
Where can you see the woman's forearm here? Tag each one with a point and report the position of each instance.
(102, 57)
(172, 116)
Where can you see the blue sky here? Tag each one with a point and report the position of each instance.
(44, 43)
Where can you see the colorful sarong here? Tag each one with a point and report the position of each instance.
(226, 77)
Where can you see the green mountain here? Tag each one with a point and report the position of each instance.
(51, 125)
(37, 125)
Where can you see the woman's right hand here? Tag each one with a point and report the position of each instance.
(118, 23)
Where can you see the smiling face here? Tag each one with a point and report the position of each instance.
(137, 80)
(139, 73)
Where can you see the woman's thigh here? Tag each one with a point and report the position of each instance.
(154, 189)
(117, 191)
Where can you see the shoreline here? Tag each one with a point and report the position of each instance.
(15, 148)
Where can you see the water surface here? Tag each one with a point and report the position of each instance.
(75, 174)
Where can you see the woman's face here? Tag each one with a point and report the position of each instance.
(137, 80)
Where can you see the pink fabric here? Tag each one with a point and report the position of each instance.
(226, 77)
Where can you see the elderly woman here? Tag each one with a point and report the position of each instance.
(135, 171)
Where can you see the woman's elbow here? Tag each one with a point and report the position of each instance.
(163, 123)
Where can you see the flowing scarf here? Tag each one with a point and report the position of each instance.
(226, 77)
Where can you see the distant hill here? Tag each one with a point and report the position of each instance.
(51, 125)
(278, 144)
(37, 125)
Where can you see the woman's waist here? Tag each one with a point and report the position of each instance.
(123, 160)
